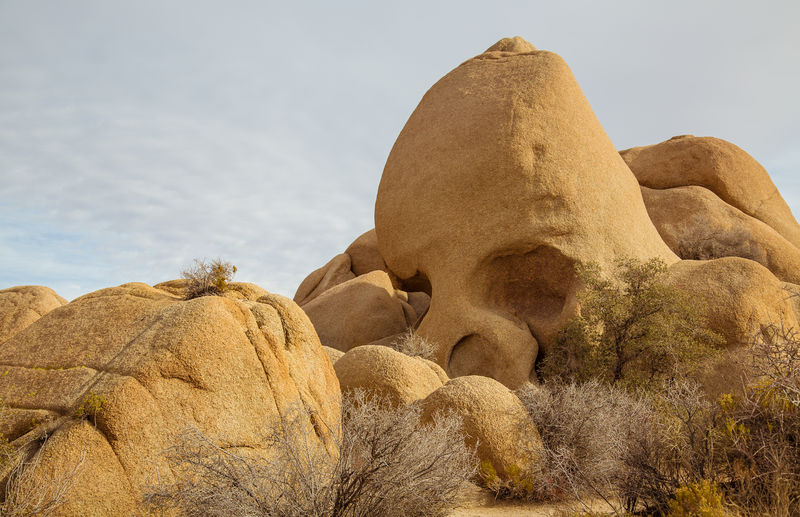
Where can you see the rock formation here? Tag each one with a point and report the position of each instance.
(503, 180)
(21, 306)
(500, 182)
(494, 418)
(719, 166)
(355, 300)
(360, 311)
(143, 364)
(388, 373)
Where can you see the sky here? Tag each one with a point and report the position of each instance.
(138, 136)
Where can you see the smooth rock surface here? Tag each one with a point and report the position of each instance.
(388, 373)
(493, 417)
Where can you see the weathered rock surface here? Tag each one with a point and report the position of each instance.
(493, 417)
(21, 306)
(698, 225)
(740, 295)
(378, 369)
(335, 272)
(159, 364)
(359, 311)
(333, 354)
(500, 182)
(719, 166)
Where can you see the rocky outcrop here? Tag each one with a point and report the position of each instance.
(360, 311)
(143, 364)
(740, 295)
(21, 306)
(719, 166)
(698, 225)
(335, 272)
(389, 374)
(494, 419)
(500, 182)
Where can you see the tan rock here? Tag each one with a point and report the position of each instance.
(420, 302)
(335, 272)
(388, 373)
(500, 182)
(740, 295)
(358, 312)
(698, 225)
(720, 166)
(21, 306)
(160, 364)
(333, 354)
(364, 254)
(494, 418)
(234, 290)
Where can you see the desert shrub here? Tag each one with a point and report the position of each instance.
(388, 463)
(585, 429)
(632, 329)
(411, 343)
(674, 445)
(31, 490)
(701, 499)
(207, 278)
(515, 484)
(761, 428)
(90, 407)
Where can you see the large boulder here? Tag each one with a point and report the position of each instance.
(698, 225)
(741, 296)
(494, 418)
(21, 306)
(387, 373)
(359, 311)
(719, 166)
(364, 254)
(143, 364)
(335, 272)
(501, 181)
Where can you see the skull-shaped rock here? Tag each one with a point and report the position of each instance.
(499, 183)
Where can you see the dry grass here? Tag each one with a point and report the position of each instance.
(31, 490)
(411, 343)
(388, 464)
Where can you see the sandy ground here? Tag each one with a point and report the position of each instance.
(480, 503)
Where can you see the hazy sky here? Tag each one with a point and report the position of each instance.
(136, 136)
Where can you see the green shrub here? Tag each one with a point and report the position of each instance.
(701, 499)
(92, 405)
(633, 329)
(208, 278)
(513, 485)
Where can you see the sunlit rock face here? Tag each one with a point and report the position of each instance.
(500, 182)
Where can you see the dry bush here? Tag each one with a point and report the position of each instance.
(761, 428)
(388, 464)
(411, 343)
(32, 491)
(673, 445)
(207, 278)
(585, 430)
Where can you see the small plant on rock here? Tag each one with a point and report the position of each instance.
(90, 407)
(208, 278)
(411, 343)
